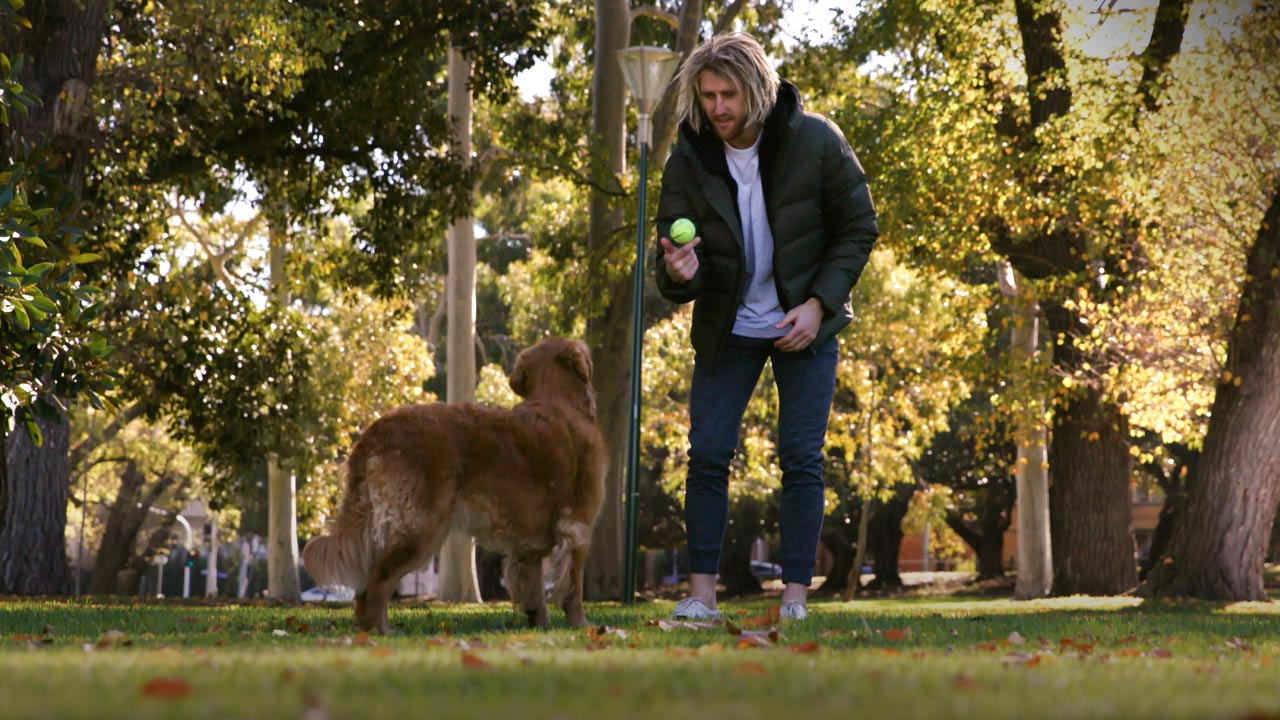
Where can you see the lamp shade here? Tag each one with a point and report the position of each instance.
(647, 69)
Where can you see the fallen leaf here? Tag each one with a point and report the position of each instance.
(166, 688)
(805, 648)
(314, 707)
(964, 682)
(750, 668)
(473, 661)
(1015, 638)
(750, 641)
(681, 652)
(1016, 658)
(381, 652)
(1161, 653)
(895, 634)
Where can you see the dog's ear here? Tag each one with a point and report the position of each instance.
(578, 359)
(519, 380)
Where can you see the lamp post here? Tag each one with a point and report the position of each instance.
(647, 69)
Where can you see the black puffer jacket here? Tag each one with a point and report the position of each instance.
(820, 212)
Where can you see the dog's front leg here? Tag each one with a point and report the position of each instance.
(524, 580)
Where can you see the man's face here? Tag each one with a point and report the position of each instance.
(726, 107)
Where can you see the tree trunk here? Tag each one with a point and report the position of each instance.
(1035, 545)
(1092, 539)
(1218, 546)
(121, 532)
(61, 50)
(283, 582)
(885, 536)
(1093, 549)
(458, 555)
(735, 566)
(987, 541)
(610, 330)
(33, 514)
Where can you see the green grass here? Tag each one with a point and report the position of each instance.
(1080, 657)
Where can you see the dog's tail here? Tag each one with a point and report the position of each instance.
(561, 577)
(344, 556)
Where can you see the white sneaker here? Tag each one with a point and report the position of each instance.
(792, 610)
(691, 608)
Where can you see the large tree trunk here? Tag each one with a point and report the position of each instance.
(1093, 549)
(61, 50)
(458, 554)
(1219, 544)
(33, 514)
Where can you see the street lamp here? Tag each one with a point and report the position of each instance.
(647, 69)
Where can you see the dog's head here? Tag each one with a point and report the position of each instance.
(555, 368)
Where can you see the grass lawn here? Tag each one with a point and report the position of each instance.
(929, 657)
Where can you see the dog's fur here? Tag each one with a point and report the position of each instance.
(527, 482)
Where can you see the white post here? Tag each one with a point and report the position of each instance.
(211, 566)
(186, 569)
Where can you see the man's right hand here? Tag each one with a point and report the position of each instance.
(682, 261)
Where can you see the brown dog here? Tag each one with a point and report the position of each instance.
(526, 482)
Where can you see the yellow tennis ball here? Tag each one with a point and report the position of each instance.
(682, 231)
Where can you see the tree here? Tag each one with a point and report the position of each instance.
(457, 555)
(1221, 539)
(1001, 124)
(608, 325)
(45, 139)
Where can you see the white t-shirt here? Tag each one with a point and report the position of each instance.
(760, 309)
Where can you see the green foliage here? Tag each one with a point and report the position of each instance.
(49, 348)
(326, 107)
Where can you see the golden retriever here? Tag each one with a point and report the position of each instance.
(527, 482)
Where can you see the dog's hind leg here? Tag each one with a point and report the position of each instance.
(398, 559)
(524, 581)
(572, 603)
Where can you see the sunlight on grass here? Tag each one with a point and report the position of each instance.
(929, 657)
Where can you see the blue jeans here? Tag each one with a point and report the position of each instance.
(806, 382)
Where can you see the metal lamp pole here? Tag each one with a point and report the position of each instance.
(647, 69)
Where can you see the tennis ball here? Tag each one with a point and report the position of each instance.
(682, 231)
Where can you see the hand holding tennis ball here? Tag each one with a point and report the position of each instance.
(682, 231)
(678, 251)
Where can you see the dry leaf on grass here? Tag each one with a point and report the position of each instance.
(964, 682)
(750, 668)
(805, 648)
(473, 661)
(166, 688)
(895, 634)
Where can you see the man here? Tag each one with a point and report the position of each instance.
(785, 226)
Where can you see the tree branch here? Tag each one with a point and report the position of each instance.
(654, 12)
(728, 16)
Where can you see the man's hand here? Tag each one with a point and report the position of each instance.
(682, 262)
(804, 320)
